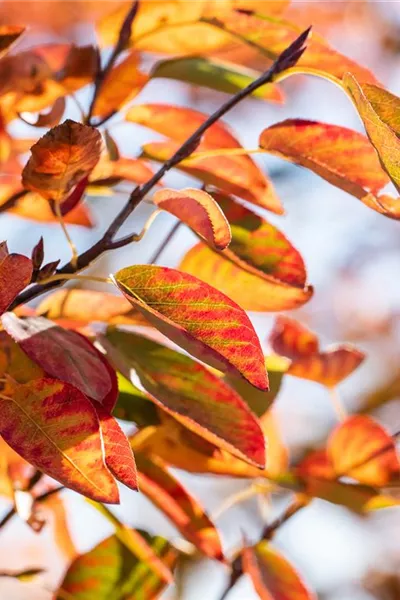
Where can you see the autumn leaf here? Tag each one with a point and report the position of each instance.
(345, 158)
(50, 118)
(80, 307)
(60, 159)
(62, 354)
(120, 86)
(198, 210)
(216, 74)
(55, 428)
(328, 368)
(169, 495)
(271, 36)
(118, 453)
(260, 270)
(128, 169)
(33, 206)
(78, 68)
(273, 577)
(238, 175)
(134, 405)
(190, 393)
(8, 35)
(125, 575)
(361, 448)
(15, 274)
(197, 317)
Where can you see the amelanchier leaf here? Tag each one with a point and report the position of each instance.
(190, 393)
(61, 158)
(169, 495)
(342, 156)
(112, 171)
(197, 317)
(15, 274)
(118, 453)
(361, 448)
(238, 175)
(120, 86)
(135, 405)
(328, 368)
(34, 207)
(85, 306)
(271, 36)
(273, 577)
(55, 428)
(63, 354)
(260, 270)
(125, 576)
(198, 210)
(216, 74)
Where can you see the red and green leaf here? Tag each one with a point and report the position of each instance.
(197, 317)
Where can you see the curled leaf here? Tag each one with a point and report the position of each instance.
(197, 317)
(50, 118)
(55, 428)
(199, 211)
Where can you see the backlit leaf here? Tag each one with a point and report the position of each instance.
(238, 175)
(168, 494)
(54, 427)
(124, 577)
(342, 156)
(121, 85)
(128, 169)
(85, 306)
(34, 206)
(190, 393)
(15, 274)
(8, 35)
(328, 368)
(49, 118)
(78, 67)
(134, 405)
(215, 74)
(62, 354)
(361, 448)
(273, 577)
(197, 317)
(198, 210)
(118, 453)
(248, 286)
(271, 36)
(61, 158)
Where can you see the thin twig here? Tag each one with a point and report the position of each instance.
(135, 237)
(12, 200)
(287, 59)
(164, 243)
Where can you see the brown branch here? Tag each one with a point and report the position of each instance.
(286, 60)
(12, 200)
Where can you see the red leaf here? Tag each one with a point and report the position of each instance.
(197, 317)
(290, 338)
(15, 274)
(54, 427)
(199, 211)
(61, 353)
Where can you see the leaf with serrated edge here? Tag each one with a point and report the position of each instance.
(55, 428)
(190, 393)
(169, 495)
(273, 577)
(61, 158)
(197, 317)
(198, 210)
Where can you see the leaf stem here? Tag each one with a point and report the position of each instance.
(74, 251)
(286, 60)
(223, 152)
(66, 277)
(337, 404)
(135, 237)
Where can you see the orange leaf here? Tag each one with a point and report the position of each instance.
(35, 207)
(125, 575)
(85, 306)
(168, 494)
(50, 118)
(260, 270)
(15, 274)
(54, 427)
(118, 453)
(120, 86)
(271, 36)
(61, 158)
(197, 317)
(190, 393)
(360, 448)
(8, 35)
(78, 67)
(328, 368)
(129, 169)
(63, 354)
(342, 156)
(238, 175)
(273, 577)
(199, 211)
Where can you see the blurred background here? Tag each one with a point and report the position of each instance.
(353, 260)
